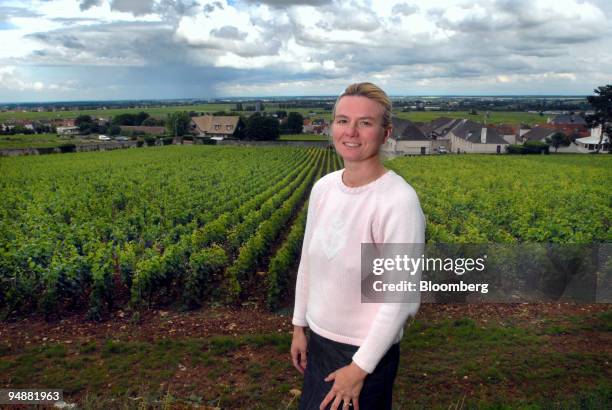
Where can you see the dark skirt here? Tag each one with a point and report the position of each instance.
(325, 356)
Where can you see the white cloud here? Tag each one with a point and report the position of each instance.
(408, 45)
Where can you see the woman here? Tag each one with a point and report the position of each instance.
(350, 359)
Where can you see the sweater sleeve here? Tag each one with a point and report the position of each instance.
(301, 285)
(404, 223)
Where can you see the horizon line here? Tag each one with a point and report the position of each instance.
(285, 97)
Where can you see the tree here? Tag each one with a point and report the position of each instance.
(262, 128)
(558, 139)
(85, 123)
(140, 117)
(602, 105)
(152, 122)
(295, 122)
(177, 123)
(114, 129)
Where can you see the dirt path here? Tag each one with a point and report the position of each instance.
(210, 321)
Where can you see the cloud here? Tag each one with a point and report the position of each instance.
(404, 9)
(136, 7)
(120, 44)
(228, 32)
(87, 4)
(435, 45)
(289, 3)
(11, 79)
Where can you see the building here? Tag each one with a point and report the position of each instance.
(216, 126)
(591, 143)
(567, 119)
(508, 132)
(407, 138)
(68, 130)
(472, 137)
(538, 134)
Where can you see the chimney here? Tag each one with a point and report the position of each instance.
(483, 135)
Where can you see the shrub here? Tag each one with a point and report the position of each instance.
(202, 265)
(150, 141)
(49, 150)
(515, 149)
(536, 147)
(67, 148)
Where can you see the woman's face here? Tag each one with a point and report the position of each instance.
(357, 128)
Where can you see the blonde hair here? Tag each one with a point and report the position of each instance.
(374, 93)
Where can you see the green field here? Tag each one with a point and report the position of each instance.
(163, 217)
(44, 140)
(495, 117)
(512, 199)
(303, 137)
(118, 235)
(63, 217)
(159, 112)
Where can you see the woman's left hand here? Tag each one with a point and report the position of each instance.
(348, 381)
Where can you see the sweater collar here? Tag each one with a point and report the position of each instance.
(356, 190)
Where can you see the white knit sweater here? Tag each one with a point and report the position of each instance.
(328, 288)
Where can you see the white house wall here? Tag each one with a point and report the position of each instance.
(467, 146)
(413, 147)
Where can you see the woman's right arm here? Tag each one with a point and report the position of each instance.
(299, 341)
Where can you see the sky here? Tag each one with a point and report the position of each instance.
(60, 50)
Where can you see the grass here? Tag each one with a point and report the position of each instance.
(445, 364)
(495, 117)
(303, 137)
(42, 141)
(459, 363)
(153, 111)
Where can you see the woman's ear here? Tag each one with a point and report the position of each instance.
(388, 132)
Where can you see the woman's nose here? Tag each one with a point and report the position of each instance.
(350, 130)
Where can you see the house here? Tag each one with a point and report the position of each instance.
(68, 130)
(407, 138)
(216, 126)
(316, 126)
(438, 129)
(508, 132)
(567, 119)
(591, 143)
(569, 129)
(472, 137)
(538, 134)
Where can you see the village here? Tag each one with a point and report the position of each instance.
(565, 132)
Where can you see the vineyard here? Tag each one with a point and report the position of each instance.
(166, 225)
(184, 225)
(512, 199)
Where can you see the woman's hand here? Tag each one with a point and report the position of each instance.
(298, 348)
(348, 381)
